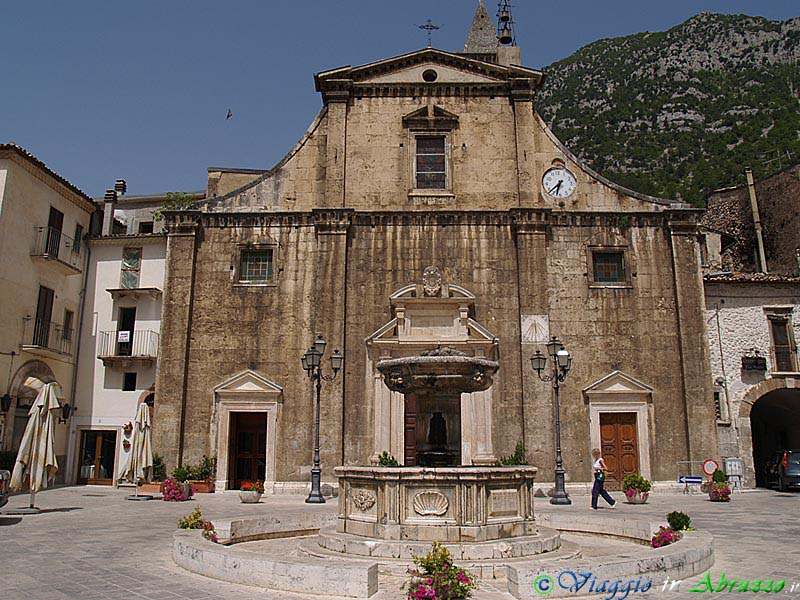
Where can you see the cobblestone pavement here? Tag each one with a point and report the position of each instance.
(91, 544)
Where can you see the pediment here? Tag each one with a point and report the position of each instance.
(248, 382)
(618, 382)
(444, 74)
(431, 117)
(408, 68)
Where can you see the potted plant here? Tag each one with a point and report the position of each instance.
(159, 475)
(637, 488)
(251, 492)
(387, 460)
(195, 520)
(720, 489)
(176, 491)
(435, 576)
(201, 476)
(181, 475)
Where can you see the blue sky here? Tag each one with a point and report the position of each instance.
(102, 89)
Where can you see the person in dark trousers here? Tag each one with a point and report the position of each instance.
(600, 470)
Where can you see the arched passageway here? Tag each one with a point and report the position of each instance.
(775, 425)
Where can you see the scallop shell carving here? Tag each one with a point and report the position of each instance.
(430, 503)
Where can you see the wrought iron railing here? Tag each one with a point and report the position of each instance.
(137, 343)
(53, 243)
(39, 333)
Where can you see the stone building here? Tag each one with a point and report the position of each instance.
(428, 205)
(753, 317)
(43, 262)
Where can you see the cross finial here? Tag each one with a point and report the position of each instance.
(429, 27)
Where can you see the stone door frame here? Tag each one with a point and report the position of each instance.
(621, 393)
(246, 392)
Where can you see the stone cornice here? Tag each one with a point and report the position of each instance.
(522, 220)
(128, 239)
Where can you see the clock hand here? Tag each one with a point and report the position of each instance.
(556, 187)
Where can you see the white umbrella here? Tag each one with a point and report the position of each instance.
(140, 460)
(36, 460)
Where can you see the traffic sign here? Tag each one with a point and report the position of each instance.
(709, 466)
(690, 479)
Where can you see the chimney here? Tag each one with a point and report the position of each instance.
(108, 212)
(751, 186)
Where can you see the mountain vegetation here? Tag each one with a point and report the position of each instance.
(680, 113)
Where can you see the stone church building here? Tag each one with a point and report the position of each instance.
(429, 206)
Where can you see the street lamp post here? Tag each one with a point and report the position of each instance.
(562, 361)
(312, 364)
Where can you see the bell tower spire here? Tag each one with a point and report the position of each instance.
(482, 36)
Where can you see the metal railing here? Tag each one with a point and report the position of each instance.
(53, 243)
(39, 333)
(141, 343)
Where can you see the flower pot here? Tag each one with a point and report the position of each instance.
(204, 486)
(152, 487)
(187, 490)
(249, 497)
(637, 497)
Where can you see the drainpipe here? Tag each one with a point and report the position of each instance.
(74, 386)
(762, 257)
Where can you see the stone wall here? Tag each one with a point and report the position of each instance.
(335, 274)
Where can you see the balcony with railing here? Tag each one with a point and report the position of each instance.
(54, 247)
(123, 349)
(46, 338)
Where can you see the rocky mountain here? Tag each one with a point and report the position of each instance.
(679, 113)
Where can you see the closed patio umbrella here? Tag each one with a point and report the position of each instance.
(140, 460)
(36, 460)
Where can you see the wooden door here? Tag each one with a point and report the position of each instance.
(54, 225)
(248, 454)
(44, 313)
(410, 431)
(620, 446)
(98, 453)
(126, 326)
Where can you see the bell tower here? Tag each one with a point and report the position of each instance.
(490, 41)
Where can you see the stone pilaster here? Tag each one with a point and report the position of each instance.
(170, 404)
(524, 128)
(336, 147)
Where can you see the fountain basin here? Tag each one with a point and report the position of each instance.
(444, 504)
(453, 372)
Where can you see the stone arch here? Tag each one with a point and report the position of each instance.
(148, 396)
(744, 425)
(25, 385)
(757, 391)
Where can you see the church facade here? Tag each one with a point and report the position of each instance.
(428, 206)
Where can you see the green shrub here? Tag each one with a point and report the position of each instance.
(435, 576)
(679, 521)
(159, 468)
(635, 481)
(387, 460)
(518, 458)
(719, 476)
(181, 474)
(204, 470)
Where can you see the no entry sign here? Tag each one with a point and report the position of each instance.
(709, 466)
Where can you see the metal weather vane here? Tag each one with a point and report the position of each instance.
(429, 27)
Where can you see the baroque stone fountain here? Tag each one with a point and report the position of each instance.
(436, 498)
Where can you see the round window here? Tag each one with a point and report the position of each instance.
(430, 75)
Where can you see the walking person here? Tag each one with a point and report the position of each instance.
(598, 488)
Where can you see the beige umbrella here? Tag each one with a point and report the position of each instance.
(36, 460)
(140, 460)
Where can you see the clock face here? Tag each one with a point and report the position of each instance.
(559, 182)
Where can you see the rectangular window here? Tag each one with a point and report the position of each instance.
(131, 264)
(783, 347)
(431, 163)
(68, 318)
(256, 265)
(76, 243)
(129, 382)
(608, 266)
(145, 227)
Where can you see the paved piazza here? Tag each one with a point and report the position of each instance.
(91, 544)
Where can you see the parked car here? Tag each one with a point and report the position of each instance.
(5, 478)
(783, 470)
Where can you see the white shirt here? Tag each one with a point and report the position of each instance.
(597, 465)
